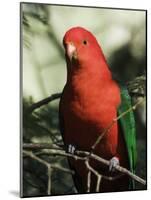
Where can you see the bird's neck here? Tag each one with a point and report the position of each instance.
(96, 72)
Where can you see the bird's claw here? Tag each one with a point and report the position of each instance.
(113, 163)
(71, 149)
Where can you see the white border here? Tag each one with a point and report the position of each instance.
(9, 100)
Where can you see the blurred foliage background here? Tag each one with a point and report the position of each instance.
(122, 35)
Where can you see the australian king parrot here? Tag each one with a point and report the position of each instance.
(90, 101)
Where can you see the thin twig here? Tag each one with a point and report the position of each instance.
(53, 166)
(113, 122)
(55, 150)
(37, 146)
(88, 181)
(31, 155)
(45, 101)
(49, 180)
(99, 176)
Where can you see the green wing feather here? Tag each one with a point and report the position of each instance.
(128, 126)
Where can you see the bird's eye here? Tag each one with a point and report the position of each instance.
(84, 42)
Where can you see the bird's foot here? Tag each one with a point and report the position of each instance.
(113, 163)
(71, 148)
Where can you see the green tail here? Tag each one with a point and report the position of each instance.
(128, 125)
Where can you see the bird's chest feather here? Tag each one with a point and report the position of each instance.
(87, 112)
(92, 103)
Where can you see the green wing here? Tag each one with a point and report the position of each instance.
(128, 126)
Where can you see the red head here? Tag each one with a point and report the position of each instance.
(83, 51)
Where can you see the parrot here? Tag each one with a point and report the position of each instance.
(90, 101)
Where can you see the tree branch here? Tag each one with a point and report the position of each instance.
(81, 155)
(43, 102)
(49, 167)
